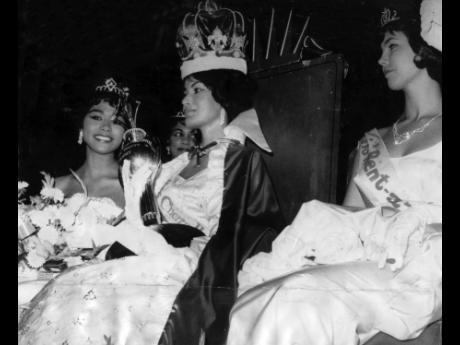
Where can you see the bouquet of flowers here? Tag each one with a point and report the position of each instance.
(57, 231)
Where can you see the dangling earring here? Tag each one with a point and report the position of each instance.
(80, 137)
(223, 116)
(168, 150)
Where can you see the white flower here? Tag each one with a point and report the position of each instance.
(49, 233)
(35, 260)
(66, 217)
(54, 194)
(22, 185)
(40, 218)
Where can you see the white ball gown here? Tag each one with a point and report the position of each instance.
(128, 300)
(322, 285)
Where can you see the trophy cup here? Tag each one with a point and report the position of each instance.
(140, 150)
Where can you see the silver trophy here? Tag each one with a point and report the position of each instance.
(139, 149)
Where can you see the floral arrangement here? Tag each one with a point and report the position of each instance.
(54, 229)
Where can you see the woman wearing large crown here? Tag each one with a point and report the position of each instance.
(167, 294)
(339, 275)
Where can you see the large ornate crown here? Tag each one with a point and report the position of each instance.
(212, 38)
(388, 16)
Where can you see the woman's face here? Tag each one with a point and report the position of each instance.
(397, 61)
(200, 107)
(102, 131)
(180, 140)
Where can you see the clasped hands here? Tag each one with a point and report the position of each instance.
(134, 185)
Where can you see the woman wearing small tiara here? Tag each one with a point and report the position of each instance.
(101, 133)
(339, 275)
(94, 191)
(180, 138)
(183, 294)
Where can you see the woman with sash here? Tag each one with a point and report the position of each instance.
(172, 293)
(338, 275)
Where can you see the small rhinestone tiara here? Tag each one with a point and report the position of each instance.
(110, 85)
(388, 16)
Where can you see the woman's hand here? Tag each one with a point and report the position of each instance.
(397, 237)
(134, 185)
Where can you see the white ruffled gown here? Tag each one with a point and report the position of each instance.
(318, 286)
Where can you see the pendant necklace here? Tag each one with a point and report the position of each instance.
(400, 138)
(198, 152)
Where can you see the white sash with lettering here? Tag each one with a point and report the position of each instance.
(377, 178)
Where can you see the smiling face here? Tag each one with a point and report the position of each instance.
(200, 107)
(102, 131)
(180, 140)
(397, 61)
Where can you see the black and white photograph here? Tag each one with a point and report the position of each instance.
(229, 172)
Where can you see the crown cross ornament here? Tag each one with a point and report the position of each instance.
(211, 38)
(217, 40)
(388, 16)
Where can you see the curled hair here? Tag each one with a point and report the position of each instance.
(124, 105)
(233, 90)
(430, 58)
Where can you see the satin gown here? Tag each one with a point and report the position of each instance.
(319, 286)
(128, 300)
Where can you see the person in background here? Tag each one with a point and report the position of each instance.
(180, 139)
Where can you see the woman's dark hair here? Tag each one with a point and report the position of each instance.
(173, 122)
(431, 58)
(232, 89)
(113, 99)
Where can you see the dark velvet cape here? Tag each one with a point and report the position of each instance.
(250, 220)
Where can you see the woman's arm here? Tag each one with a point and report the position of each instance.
(353, 196)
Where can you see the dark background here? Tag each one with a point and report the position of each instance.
(65, 47)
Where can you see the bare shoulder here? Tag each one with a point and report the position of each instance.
(64, 183)
(383, 131)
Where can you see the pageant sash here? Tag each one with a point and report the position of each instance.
(377, 177)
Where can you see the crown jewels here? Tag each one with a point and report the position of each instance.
(388, 16)
(211, 38)
(110, 85)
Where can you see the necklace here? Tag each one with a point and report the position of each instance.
(199, 151)
(400, 138)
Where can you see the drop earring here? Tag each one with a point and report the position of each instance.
(80, 137)
(168, 150)
(223, 117)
